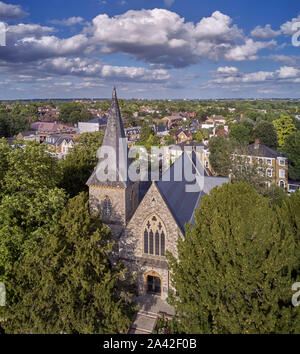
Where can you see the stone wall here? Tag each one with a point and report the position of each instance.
(117, 197)
(131, 244)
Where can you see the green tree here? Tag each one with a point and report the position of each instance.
(235, 267)
(198, 136)
(30, 168)
(266, 133)
(70, 279)
(284, 127)
(220, 155)
(145, 133)
(291, 149)
(241, 132)
(29, 200)
(80, 163)
(169, 140)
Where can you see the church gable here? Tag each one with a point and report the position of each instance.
(151, 231)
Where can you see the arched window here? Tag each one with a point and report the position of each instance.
(154, 233)
(107, 207)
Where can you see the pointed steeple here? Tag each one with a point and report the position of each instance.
(113, 133)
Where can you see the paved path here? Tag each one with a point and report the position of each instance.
(151, 308)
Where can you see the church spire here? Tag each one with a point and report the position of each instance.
(113, 133)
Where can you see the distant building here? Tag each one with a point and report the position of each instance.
(132, 134)
(274, 163)
(59, 145)
(28, 135)
(162, 130)
(51, 128)
(93, 125)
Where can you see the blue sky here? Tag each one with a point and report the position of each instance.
(149, 49)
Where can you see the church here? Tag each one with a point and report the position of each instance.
(146, 218)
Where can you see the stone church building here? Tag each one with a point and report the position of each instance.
(146, 218)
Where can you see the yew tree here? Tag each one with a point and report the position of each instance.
(236, 266)
(69, 283)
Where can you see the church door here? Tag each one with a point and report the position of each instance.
(153, 285)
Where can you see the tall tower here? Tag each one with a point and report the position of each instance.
(114, 200)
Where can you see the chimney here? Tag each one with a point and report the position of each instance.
(256, 144)
(242, 115)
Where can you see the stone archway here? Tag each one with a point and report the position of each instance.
(153, 283)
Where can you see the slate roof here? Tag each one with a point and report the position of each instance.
(100, 121)
(182, 203)
(264, 151)
(113, 132)
(161, 128)
(56, 140)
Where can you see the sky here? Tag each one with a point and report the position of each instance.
(153, 49)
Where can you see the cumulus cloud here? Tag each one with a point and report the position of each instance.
(233, 75)
(88, 69)
(11, 12)
(288, 28)
(162, 37)
(227, 70)
(248, 50)
(264, 32)
(23, 30)
(71, 21)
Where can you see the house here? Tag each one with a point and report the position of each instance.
(217, 119)
(182, 135)
(93, 125)
(242, 118)
(132, 134)
(273, 162)
(60, 145)
(172, 121)
(47, 128)
(161, 131)
(293, 186)
(28, 135)
(146, 218)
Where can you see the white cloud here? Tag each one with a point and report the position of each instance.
(227, 70)
(91, 68)
(287, 27)
(248, 50)
(264, 32)
(11, 12)
(286, 72)
(283, 74)
(23, 30)
(71, 21)
(162, 37)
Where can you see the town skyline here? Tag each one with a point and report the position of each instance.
(162, 50)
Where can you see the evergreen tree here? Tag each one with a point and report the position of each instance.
(241, 132)
(266, 133)
(68, 283)
(80, 162)
(235, 267)
(220, 155)
(292, 151)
